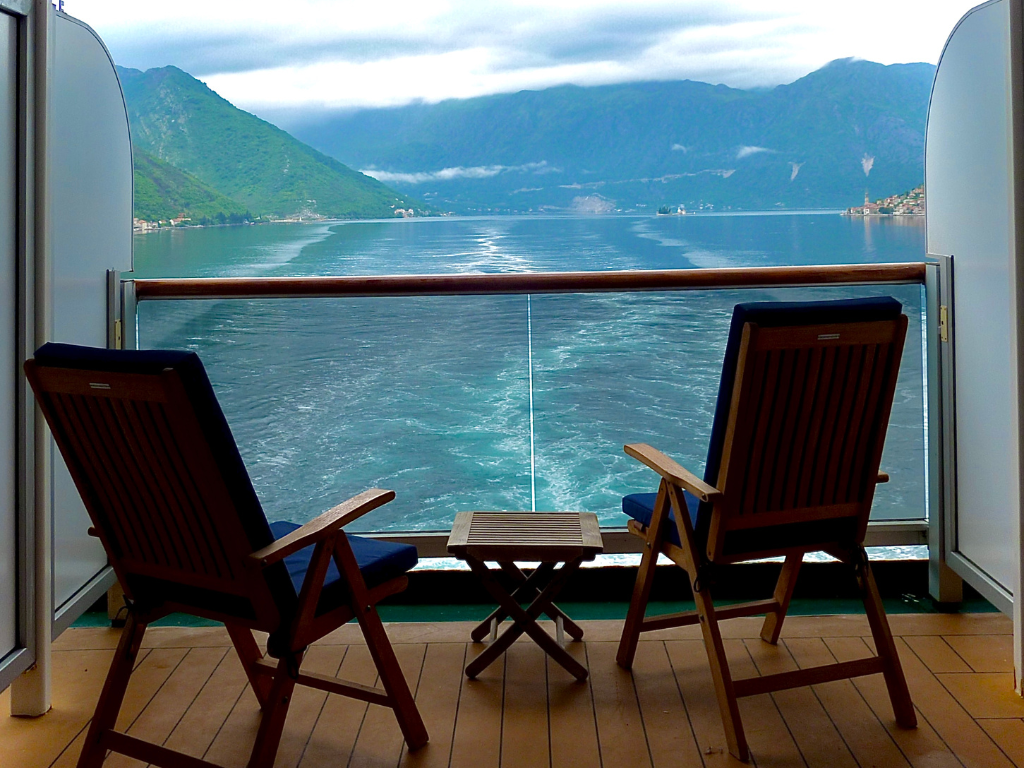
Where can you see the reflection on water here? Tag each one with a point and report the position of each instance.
(429, 396)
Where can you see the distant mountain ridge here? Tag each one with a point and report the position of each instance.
(252, 164)
(818, 142)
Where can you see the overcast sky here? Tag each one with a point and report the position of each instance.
(308, 55)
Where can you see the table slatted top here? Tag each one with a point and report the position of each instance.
(540, 536)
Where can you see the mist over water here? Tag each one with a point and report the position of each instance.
(429, 396)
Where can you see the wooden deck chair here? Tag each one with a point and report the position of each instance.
(160, 474)
(792, 465)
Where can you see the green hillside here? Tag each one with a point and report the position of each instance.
(818, 142)
(180, 121)
(163, 192)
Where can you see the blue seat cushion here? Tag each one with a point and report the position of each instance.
(640, 507)
(378, 561)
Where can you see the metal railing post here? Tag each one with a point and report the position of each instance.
(944, 586)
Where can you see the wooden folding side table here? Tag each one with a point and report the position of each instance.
(505, 537)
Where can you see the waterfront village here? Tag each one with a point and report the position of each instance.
(907, 204)
(142, 225)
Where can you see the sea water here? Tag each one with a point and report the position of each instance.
(499, 402)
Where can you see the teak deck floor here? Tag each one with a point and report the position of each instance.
(189, 692)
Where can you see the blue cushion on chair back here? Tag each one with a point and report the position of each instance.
(766, 314)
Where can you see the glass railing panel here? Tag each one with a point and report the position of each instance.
(427, 396)
(610, 369)
(431, 396)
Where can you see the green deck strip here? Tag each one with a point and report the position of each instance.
(588, 611)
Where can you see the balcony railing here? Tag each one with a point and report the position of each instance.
(510, 391)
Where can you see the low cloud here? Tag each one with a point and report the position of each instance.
(867, 163)
(326, 55)
(457, 172)
(680, 148)
(796, 169)
(748, 151)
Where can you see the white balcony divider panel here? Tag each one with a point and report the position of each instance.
(91, 183)
(970, 185)
(9, 380)
(970, 217)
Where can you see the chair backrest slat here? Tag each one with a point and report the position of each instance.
(104, 490)
(188, 499)
(154, 469)
(146, 472)
(790, 427)
(809, 409)
(160, 528)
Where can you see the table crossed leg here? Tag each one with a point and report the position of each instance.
(525, 620)
(528, 587)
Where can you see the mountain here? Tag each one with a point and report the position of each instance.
(180, 121)
(163, 192)
(818, 142)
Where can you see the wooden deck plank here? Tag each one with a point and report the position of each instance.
(669, 733)
(937, 654)
(69, 757)
(233, 742)
(620, 728)
(985, 694)
(334, 735)
(306, 705)
(991, 653)
(525, 739)
(437, 697)
(477, 740)
(206, 714)
(770, 741)
(36, 742)
(867, 738)
(693, 676)
(149, 676)
(1009, 735)
(637, 719)
(574, 741)
(951, 722)
(816, 736)
(163, 712)
(921, 746)
(380, 741)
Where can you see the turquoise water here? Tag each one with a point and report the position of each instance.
(431, 396)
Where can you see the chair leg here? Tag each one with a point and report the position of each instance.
(113, 692)
(249, 653)
(734, 736)
(772, 627)
(268, 737)
(391, 676)
(885, 646)
(637, 608)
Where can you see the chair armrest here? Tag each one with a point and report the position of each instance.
(673, 472)
(883, 477)
(315, 529)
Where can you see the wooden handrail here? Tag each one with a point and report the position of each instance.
(530, 282)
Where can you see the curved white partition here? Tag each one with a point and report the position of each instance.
(972, 164)
(968, 173)
(91, 188)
